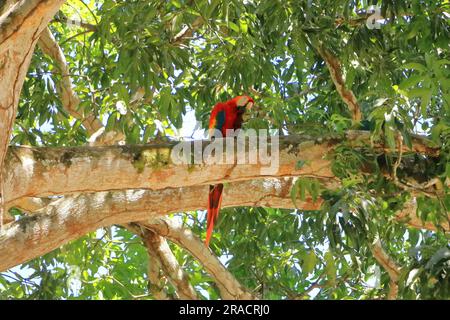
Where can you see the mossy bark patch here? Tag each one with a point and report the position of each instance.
(150, 157)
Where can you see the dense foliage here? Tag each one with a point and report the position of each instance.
(399, 72)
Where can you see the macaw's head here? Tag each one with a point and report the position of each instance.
(243, 103)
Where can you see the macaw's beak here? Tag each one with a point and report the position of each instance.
(247, 107)
(248, 110)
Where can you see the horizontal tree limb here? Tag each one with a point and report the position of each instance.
(44, 171)
(69, 218)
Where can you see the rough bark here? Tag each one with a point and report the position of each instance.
(159, 249)
(72, 217)
(389, 265)
(38, 172)
(334, 66)
(156, 280)
(229, 287)
(21, 23)
(20, 27)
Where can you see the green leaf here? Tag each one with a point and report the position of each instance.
(299, 164)
(389, 132)
(233, 26)
(330, 269)
(111, 122)
(309, 262)
(410, 82)
(294, 192)
(447, 169)
(416, 66)
(243, 25)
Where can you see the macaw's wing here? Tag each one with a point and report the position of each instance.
(216, 122)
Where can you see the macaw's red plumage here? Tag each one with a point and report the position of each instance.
(224, 115)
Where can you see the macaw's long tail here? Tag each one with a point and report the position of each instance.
(214, 200)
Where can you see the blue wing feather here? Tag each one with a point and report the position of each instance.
(220, 120)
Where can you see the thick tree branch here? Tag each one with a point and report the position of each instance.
(38, 172)
(346, 94)
(156, 278)
(228, 286)
(46, 171)
(20, 26)
(159, 248)
(72, 217)
(389, 265)
(21, 23)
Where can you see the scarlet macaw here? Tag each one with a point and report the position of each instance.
(224, 115)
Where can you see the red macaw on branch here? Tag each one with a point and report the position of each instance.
(224, 115)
